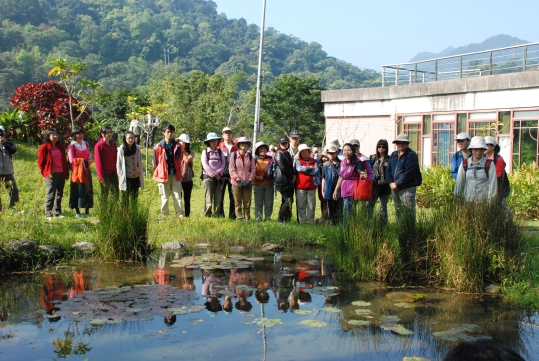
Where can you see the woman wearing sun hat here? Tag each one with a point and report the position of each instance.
(187, 171)
(213, 166)
(307, 180)
(493, 153)
(476, 179)
(241, 166)
(263, 187)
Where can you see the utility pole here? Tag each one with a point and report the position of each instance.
(259, 77)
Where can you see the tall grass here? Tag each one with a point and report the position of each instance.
(123, 227)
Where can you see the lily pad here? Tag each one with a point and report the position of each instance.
(133, 309)
(331, 309)
(415, 358)
(399, 329)
(358, 322)
(196, 320)
(302, 312)
(99, 321)
(389, 319)
(268, 322)
(403, 305)
(361, 303)
(255, 258)
(363, 311)
(314, 323)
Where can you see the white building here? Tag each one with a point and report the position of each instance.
(505, 106)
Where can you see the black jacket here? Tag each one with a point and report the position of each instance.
(404, 171)
(284, 170)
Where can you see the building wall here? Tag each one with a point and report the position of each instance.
(372, 113)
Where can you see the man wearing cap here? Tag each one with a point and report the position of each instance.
(475, 181)
(285, 180)
(167, 164)
(227, 146)
(294, 143)
(7, 149)
(463, 141)
(403, 175)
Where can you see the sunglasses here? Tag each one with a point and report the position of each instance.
(382, 147)
(461, 140)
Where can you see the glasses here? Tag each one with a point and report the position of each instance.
(461, 140)
(331, 152)
(382, 147)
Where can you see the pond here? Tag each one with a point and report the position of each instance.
(243, 306)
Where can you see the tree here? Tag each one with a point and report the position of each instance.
(81, 92)
(49, 105)
(294, 103)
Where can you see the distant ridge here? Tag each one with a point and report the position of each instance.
(498, 41)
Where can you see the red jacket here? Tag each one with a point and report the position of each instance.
(44, 160)
(160, 164)
(303, 180)
(105, 158)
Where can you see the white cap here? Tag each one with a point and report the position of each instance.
(477, 143)
(184, 138)
(463, 136)
(2, 127)
(302, 147)
(490, 140)
(226, 129)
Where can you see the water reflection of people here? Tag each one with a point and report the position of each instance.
(160, 275)
(228, 304)
(242, 304)
(213, 305)
(482, 350)
(170, 320)
(53, 290)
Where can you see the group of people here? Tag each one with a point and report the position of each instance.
(292, 169)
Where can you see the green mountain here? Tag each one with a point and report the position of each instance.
(124, 41)
(494, 42)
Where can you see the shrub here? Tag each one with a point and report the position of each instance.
(524, 197)
(437, 187)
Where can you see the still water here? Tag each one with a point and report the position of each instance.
(248, 306)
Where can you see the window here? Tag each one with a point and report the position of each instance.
(414, 135)
(524, 142)
(443, 142)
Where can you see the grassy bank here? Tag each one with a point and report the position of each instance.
(27, 220)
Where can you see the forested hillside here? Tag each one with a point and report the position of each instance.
(124, 41)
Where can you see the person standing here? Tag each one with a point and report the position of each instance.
(493, 153)
(307, 180)
(52, 163)
(263, 186)
(227, 147)
(129, 166)
(167, 164)
(242, 173)
(7, 171)
(352, 168)
(404, 175)
(476, 178)
(285, 180)
(137, 128)
(294, 143)
(152, 123)
(213, 166)
(380, 189)
(330, 177)
(463, 141)
(81, 193)
(187, 172)
(105, 153)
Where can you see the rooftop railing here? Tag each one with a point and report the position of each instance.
(511, 59)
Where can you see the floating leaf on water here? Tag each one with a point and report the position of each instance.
(237, 248)
(250, 315)
(227, 293)
(457, 333)
(177, 265)
(248, 323)
(162, 331)
(358, 322)
(114, 320)
(468, 326)
(236, 256)
(196, 320)
(403, 305)
(419, 296)
(302, 312)
(415, 358)
(255, 258)
(361, 303)
(133, 309)
(363, 311)
(268, 322)
(192, 266)
(400, 297)
(399, 329)
(244, 288)
(331, 309)
(314, 323)
(177, 310)
(99, 321)
(389, 319)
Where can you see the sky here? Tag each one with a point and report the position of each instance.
(370, 34)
